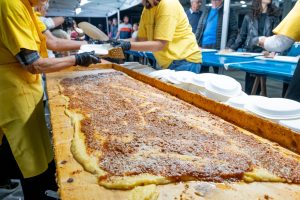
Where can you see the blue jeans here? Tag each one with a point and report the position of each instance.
(183, 65)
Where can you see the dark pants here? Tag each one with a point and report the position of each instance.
(249, 82)
(33, 188)
(205, 69)
(293, 91)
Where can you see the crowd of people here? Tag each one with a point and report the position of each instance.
(165, 28)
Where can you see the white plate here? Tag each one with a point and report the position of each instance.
(288, 59)
(99, 49)
(224, 85)
(183, 76)
(160, 73)
(209, 50)
(275, 108)
(239, 101)
(240, 54)
(292, 124)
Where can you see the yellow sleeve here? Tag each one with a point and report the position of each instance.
(289, 26)
(17, 28)
(165, 21)
(41, 24)
(142, 29)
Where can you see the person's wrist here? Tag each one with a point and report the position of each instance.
(74, 60)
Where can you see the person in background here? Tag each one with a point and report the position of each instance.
(100, 27)
(125, 29)
(165, 30)
(109, 23)
(264, 17)
(194, 14)
(287, 32)
(135, 30)
(209, 30)
(76, 33)
(25, 148)
(114, 29)
(50, 22)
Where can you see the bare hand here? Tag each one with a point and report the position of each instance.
(269, 54)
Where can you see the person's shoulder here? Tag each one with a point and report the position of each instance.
(169, 4)
(9, 5)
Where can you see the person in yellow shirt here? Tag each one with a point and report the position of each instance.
(165, 30)
(287, 32)
(25, 149)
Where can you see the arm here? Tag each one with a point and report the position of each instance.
(58, 44)
(242, 36)
(200, 28)
(47, 65)
(153, 46)
(233, 30)
(276, 43)
(32, 62)
(58, 20)
(138, 39)
(118, 35)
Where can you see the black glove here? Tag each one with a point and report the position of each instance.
(86, 58)
(125, 45)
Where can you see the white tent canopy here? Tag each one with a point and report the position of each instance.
(89, 8)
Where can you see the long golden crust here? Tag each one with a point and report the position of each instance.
(88, 157)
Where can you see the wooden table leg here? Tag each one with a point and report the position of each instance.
(255, 85)
(263, 86)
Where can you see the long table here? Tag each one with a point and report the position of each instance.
(279, 70)
(262, 68)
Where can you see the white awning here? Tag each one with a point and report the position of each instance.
(89, 8)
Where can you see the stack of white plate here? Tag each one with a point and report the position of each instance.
(274, 108)
(214, 86)
(197, 84)
(239, 101)
(293, 124)
(164, 75)
(222, 88)
(183, 78)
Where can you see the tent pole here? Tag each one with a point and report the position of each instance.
(107, 26)
(118, 17)
(226, 14)
(225, 24)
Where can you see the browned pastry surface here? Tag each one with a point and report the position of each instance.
(134, 128)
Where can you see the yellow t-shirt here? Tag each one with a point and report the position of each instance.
(168, 22)
(290, 26)
(17, 31)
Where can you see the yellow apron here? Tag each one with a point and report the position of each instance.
(21, 109)
(289, 26)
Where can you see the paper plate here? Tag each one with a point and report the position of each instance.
(183, 76)
(224, 85)
(292, 124)
(239, 101)
(160, 73)
(209, 50)
(240, 54)
(275, 108)
(288, 59)
(98, 48)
